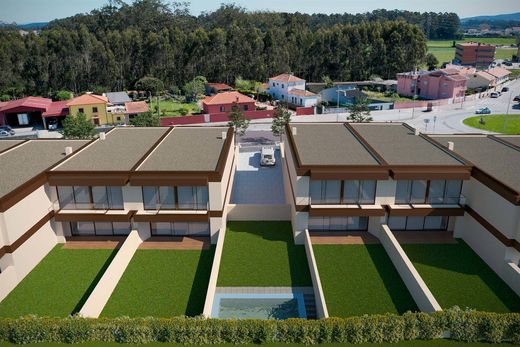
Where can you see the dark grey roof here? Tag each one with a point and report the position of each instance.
(515, 140)
(5, 144)
(496, 159)
(30, 159)
(329, 144)
(187, 149)
(398, 145)
(118, 98)
(120, 151)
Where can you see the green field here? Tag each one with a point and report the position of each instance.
(360, 279)
(496, 123)
(172, 108)
(489, 40)
(414, 343)
(262, 254)
(447, 54)
(59, 285)
(457, 276)
(444, 51)
(162, 283)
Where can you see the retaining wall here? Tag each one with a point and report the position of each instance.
(106, 285)
(258, 212)
(420, 292)
(321, 305)
(212, 285)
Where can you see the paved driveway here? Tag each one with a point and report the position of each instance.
(255, 184)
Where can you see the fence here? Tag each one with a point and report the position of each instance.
(305, 111)
(213, 117)
(319, 296)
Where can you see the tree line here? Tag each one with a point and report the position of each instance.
(111, 48)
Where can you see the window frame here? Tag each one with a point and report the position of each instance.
(176, 202)
(91, 203)
(342, 195)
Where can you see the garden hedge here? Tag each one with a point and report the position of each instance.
(470, 326)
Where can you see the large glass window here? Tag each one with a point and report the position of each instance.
(169, 198)
(453, 189)
(444, 192)
(338, 223)
(99, 228)
(193, 198)
(86, 198)
(418, 223)
(180, 229)
(325, 191)
(432, 192)
(367, 192)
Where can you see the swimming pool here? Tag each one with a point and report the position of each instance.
(258, 306)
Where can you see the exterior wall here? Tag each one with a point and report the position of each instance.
(212, 285)
(475, 54)
(258, 212)
(321, 305)
(405, 85)
(476, 81)
(278, 89)
(102, 113)
(245, 106)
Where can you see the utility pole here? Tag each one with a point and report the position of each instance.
(337, 103)
(507, 112)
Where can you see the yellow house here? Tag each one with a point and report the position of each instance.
(93, 106)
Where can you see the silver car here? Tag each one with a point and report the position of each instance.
(267, 157)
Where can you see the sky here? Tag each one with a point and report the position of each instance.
(28, 11)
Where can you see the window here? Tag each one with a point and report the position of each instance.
(193, 198)
(246, 107)
(410, 192)
(86, 198)
(359, 192)
(432, 192)
(418, 223)
(282, 86)
(325, 191)
(81, 110)
(338, 223)
(180, 229)
(98, 228)
(94, 109)
(170, 198)
(222, 109)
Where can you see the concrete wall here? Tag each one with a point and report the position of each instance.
(106, 285)
(411, 278)
(259, 212)
(217, 190)
(319, 296)
(212, 285)
(8, 281)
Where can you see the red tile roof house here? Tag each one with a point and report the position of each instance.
(223, 102)
(31, 111)
(215, 88)
(432, 85)
(501, 74)
(134, 108)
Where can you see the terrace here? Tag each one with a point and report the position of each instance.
(59, 285)
(360, 279)
(457, 276)
(162, 283)
(262, 254)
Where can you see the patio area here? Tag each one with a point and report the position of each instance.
(262, 254)
(59, 285)
(360, 279)
(162, 283)
(457, 276)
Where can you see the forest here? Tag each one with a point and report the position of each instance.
(112, 47)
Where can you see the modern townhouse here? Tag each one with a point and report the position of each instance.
(27, 226)
(357, 177)
(161, 182)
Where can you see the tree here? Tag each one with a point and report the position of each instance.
(328, 81)
(61, 95)
(78, 127)
(153, 86)
(431, 61)
(359, 111)
(147, 119)
(238, 121)
(195, 88)
(281, 118)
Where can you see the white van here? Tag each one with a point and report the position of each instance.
(267, 157)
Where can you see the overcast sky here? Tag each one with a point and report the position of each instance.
(26, 11)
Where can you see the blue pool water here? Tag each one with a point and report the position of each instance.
(258, 306)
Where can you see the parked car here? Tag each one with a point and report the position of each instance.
(267, 157)
(7, 128)
(516, 107)
(4, 133)
(508, 63)
(53, 124)
(494, 95)
(517, 98)
(483, 110)
(505, 89)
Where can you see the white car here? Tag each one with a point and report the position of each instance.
(4, 133)
(267, 157)
(494, 95)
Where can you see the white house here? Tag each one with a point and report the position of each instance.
(291, 89)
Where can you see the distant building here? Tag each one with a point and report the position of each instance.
(93, 106)
(342, 94)
(474, 54)
(214, 88)
(500, 74)
(31, 111)
(432, 85)
(291, 89)
(224, 102)
(480, 80)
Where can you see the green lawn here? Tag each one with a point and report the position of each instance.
(262, 254)
(382, 97)
(414, 343)
(360, 279)
(496, 123)
(488, 40)
(173, 107)
(457, 276)
(443, 54)
(59, 285)
(162, 283)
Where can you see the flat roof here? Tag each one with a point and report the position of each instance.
(515, 140)
(120, 151)
(494, 158)
(329, 144)
(5, 144)
(187, 149)
(30, 159)
(398, 145)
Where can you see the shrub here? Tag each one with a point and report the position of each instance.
(461, 325)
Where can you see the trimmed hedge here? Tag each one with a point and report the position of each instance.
(469, 326)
